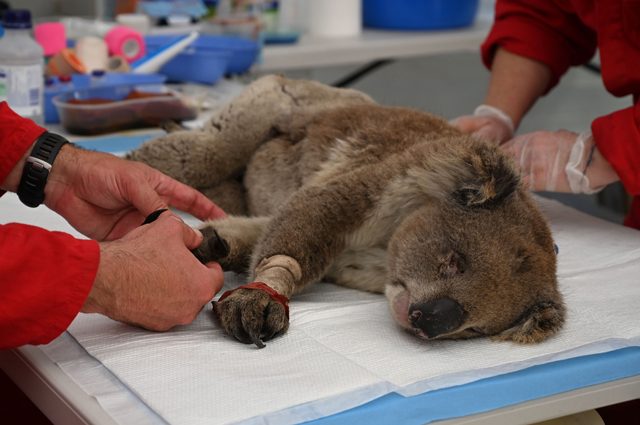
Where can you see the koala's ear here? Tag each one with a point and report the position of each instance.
(492, 179)
(537, 324)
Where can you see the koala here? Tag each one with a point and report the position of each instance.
(325, 184)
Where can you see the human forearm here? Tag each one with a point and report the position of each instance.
(516, 83)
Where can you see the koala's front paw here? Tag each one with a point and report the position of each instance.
(212, 248)
(253, 315)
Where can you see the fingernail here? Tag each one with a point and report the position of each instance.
(214, 265)
(179, 219)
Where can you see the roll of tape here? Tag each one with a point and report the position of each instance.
(118, 64)
(93, 53)
(51, 36)
(65, 62)
(125, 42)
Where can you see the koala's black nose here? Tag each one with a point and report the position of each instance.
(436, 317)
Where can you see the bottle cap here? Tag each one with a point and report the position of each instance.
(17, 19)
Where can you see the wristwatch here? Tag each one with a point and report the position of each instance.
(37, 167)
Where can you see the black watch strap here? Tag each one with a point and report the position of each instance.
(36, 168)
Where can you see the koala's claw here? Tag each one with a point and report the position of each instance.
(212, 248)
(251, 316)
(218, 247)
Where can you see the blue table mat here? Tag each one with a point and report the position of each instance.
(462, 400)
(495, 392)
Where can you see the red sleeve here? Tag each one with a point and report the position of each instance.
(17, 134)
(45, 278)
(540, 30)
(617, 136)
(633, 217)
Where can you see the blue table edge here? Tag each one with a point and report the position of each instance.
(497, 392)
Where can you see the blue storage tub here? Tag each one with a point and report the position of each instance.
(418, 14)
(242, 52)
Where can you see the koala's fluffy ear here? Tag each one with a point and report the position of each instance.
(492, 179)
(537, 324)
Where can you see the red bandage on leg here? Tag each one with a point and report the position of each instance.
(260, 286)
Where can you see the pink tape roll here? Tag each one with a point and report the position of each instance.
(51, 36)
(126, 42)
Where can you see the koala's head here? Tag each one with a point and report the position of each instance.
(459, 269)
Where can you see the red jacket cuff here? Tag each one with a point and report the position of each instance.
(46, 278)
(17, 134)
(617, 136)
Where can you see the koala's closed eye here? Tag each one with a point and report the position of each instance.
(523, 261)
(452, 264)
(398, 282)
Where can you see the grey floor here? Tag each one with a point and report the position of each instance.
(454, 84)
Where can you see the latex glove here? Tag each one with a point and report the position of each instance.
(561, 161)
(487, 122)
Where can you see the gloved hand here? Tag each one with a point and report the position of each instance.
(487, 122)
(561, 161)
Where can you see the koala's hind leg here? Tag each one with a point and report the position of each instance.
(230, 241)
(230, 195)
(269, 106)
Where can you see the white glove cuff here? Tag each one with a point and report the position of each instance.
(492, 111)
(579, 160)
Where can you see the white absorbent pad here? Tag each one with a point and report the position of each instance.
(343, 348)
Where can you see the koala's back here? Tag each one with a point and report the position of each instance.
(333, 143)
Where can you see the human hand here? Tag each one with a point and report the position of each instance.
(561, 161)
(104, 197)
(150, 278)
(486, 123)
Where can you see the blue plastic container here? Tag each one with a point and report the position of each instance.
(418, 15)
(196, 66)
(242, 52)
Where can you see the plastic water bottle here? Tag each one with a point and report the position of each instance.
(21, 66)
